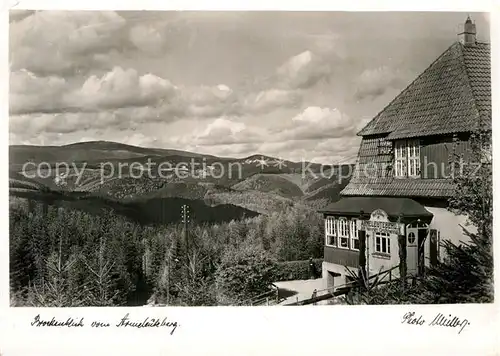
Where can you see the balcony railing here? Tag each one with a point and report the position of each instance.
(341, 256)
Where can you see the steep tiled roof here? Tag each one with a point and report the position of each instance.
(449, 96)
(478, 64)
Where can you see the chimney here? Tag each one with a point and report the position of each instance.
(468, 37)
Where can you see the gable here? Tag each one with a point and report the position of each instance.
(448, 100)
(449, 96)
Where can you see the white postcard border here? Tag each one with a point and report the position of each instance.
(321, 330)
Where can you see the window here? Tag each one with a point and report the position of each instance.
(411, 238)
(330, 235)
(343, 233)
(413, 158)
(354, 235)
(400, 158)
(407, 158)
(382, 242)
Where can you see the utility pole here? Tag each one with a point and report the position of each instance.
(185, 221)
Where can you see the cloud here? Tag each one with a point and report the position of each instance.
(226, 131)
(41, 123)
(375, 82)
(29, 93)
(64, 42)
(289, 84)
(121, 88)
(147, 38)
(313, 133)
(318, 123)
(119, 91)
(192, 80)
(221, 131)
(271, 99)
(303, 70)
(204, 95)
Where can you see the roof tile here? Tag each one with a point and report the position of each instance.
(449, 96)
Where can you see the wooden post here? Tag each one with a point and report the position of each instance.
(362, 253)
(402, 254)
(367, 248)
(433, 249)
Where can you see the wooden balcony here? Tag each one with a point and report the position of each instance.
(341, 256)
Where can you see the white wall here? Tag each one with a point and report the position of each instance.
(377, 263)
(332, 267)
(444, 221)
(448, 225)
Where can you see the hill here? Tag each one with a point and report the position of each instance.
(20, 182)
(144, 211)
(91, 151)
(109, 173)
(329, 192)
(270, 183)
(263, 203)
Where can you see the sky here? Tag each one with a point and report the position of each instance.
(296, 85)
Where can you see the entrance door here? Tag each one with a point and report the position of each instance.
(411, 251)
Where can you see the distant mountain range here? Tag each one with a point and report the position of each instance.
(126, 179)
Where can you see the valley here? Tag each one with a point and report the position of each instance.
(158, 224)
(113, 176)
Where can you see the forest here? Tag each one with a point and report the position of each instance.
(61, 257)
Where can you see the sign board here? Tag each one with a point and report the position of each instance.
(379, 215)
(379, 221)
(389, 227)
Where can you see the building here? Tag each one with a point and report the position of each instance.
(401, 183)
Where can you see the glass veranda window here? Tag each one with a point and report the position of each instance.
(330, 233)
(343, 233)
(354, 234)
